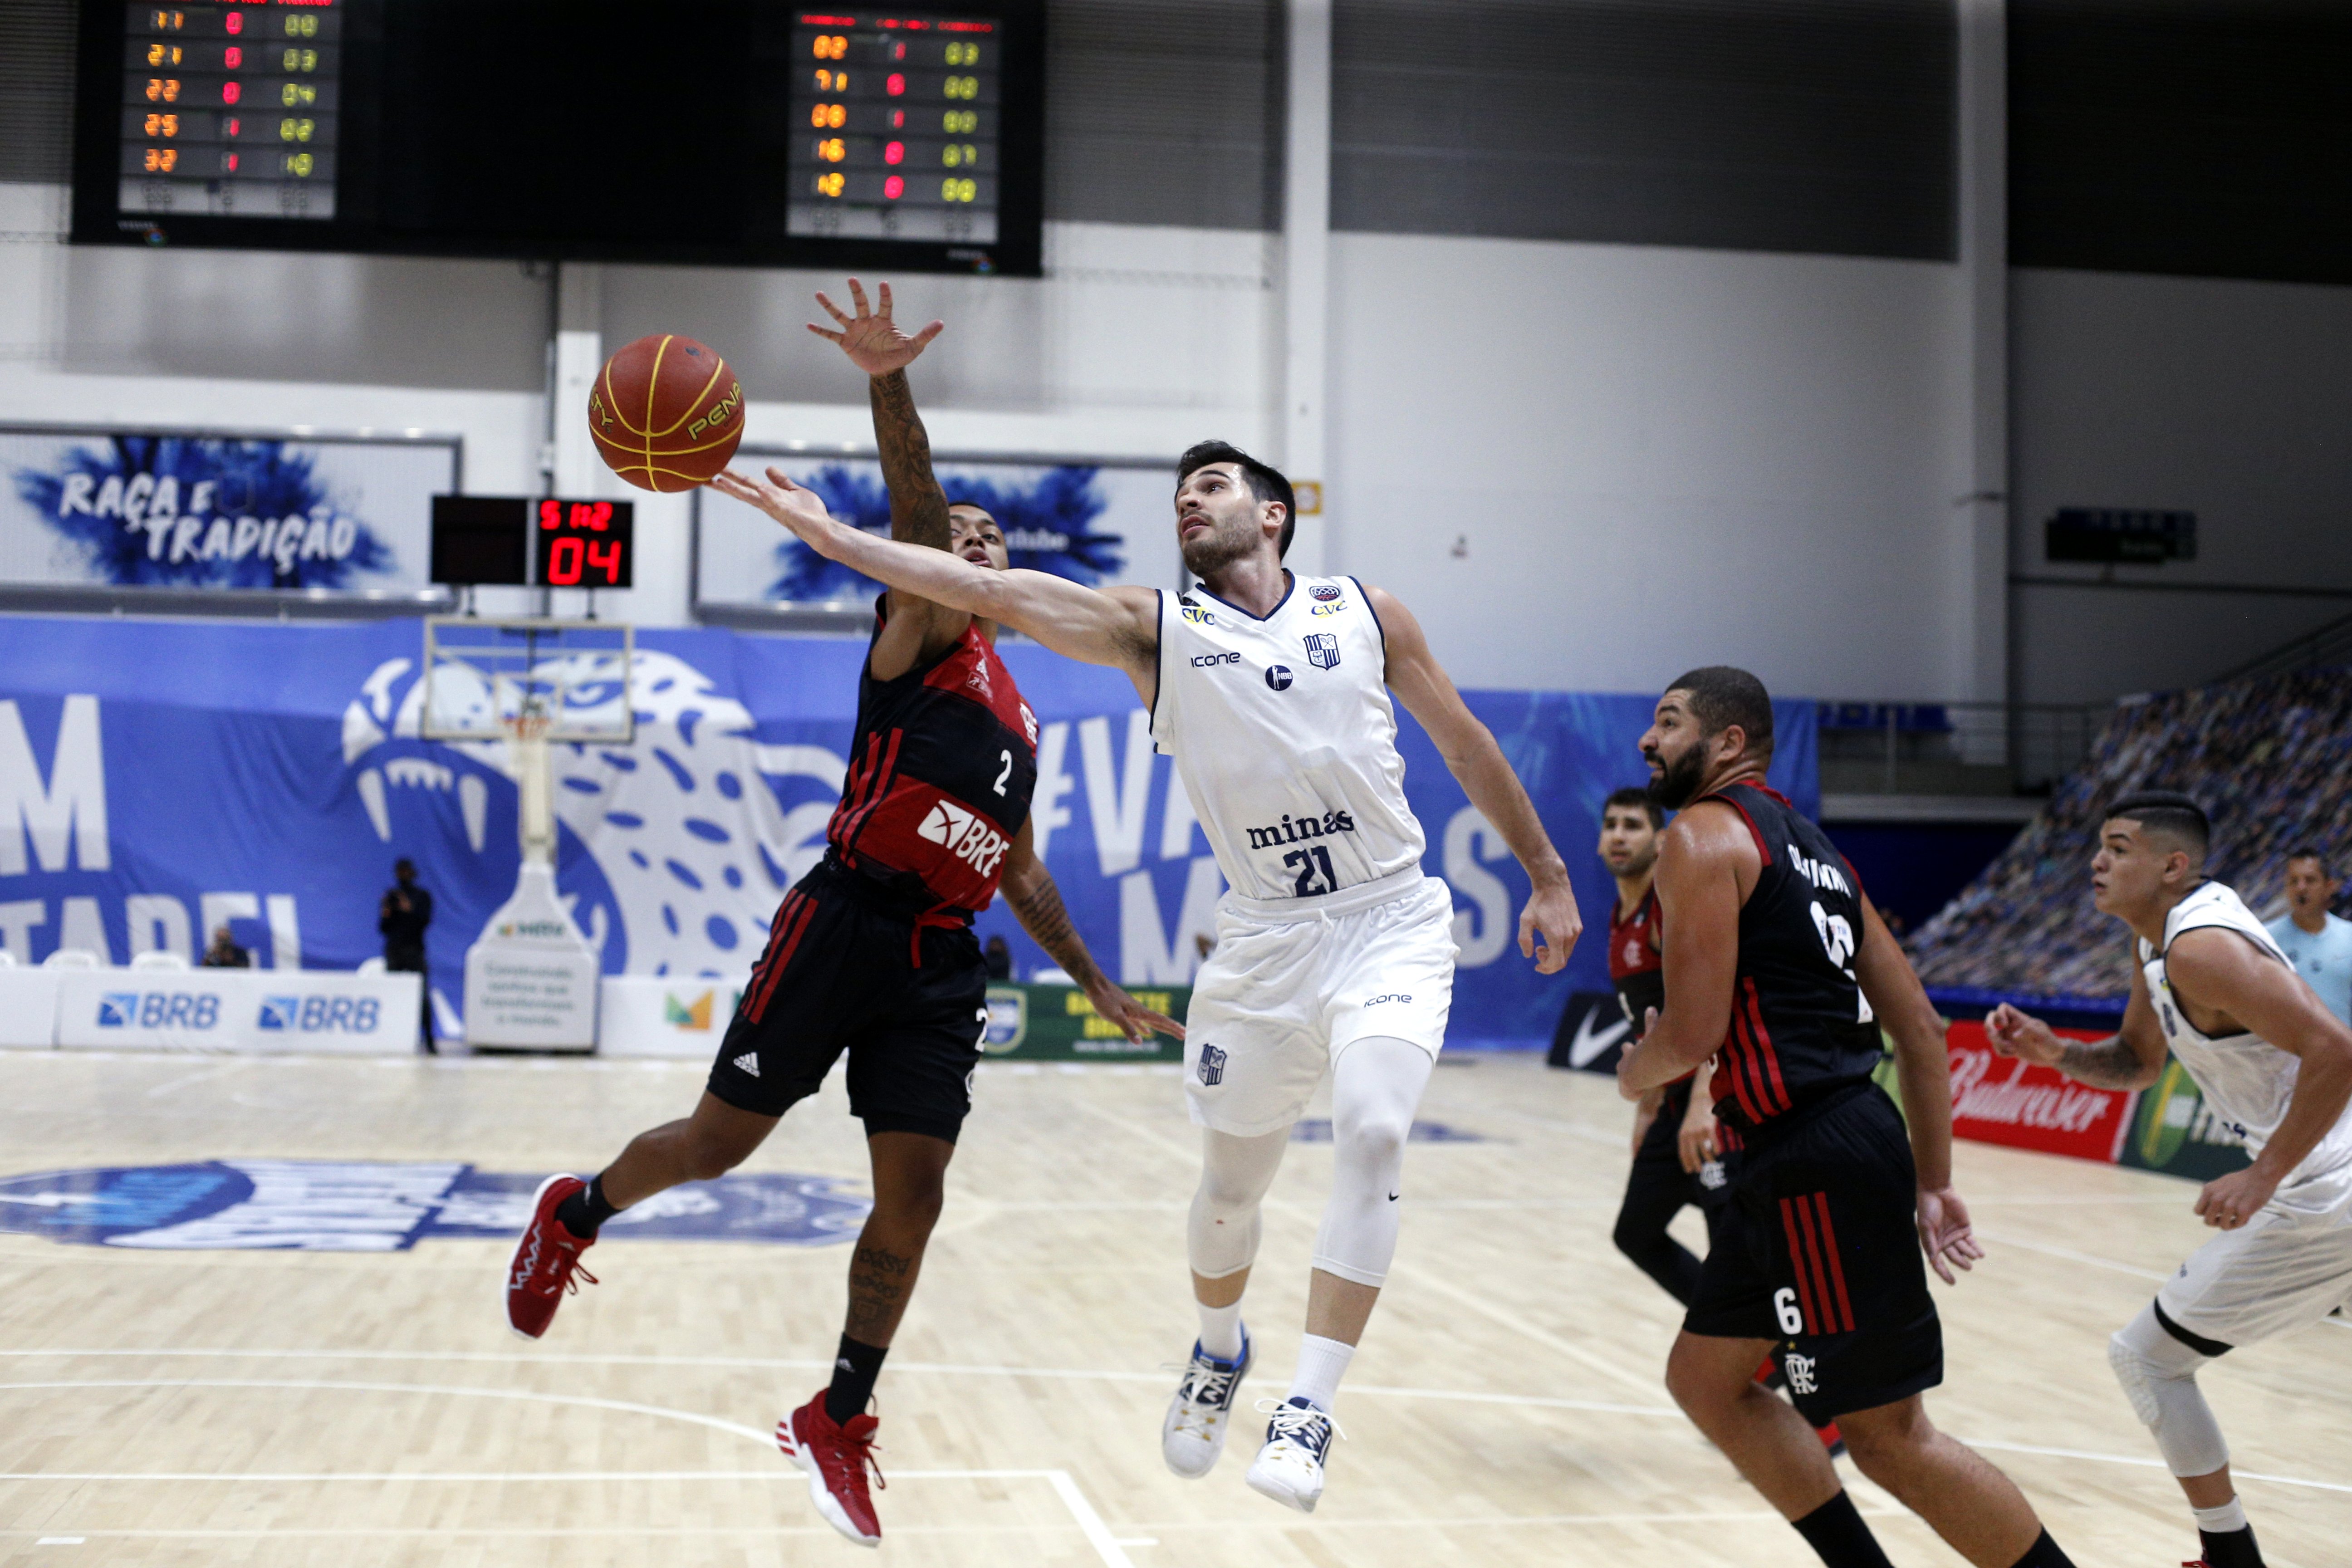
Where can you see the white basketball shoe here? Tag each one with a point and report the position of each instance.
(1193, 1434)
(1289, 1468)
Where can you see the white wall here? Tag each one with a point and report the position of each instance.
(1656, 457)
(2229, 399)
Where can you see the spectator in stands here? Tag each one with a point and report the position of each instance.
(406, 910)
(2266, 755)
(998, 956)
(224, 953)
(2320, 943)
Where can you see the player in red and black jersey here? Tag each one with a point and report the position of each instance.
(872, 953)
(1676, 1136)
(1779, 968)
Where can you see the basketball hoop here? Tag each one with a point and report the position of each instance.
(530, 724)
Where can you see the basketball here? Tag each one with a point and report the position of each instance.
(666, 413)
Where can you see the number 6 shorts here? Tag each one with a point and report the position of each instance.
(1821, 1251)
(1295, 981)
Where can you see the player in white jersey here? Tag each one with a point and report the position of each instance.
(1334, 953)
(2274, 1066)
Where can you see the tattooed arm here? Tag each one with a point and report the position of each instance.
(2132, 1058)
(1029, 889)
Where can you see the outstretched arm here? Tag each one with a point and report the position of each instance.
(1029, 889)
(1551, 924)
(1116, 627)
(1924, 1067)
(2133, 1057)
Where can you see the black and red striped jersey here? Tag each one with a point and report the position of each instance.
(1637, 959)
(1800, 1027)
(940, 772)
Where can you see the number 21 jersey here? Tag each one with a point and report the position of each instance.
(1286, 740)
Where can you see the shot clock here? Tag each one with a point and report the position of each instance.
(727, 133)
(583, 543)
(484, 541)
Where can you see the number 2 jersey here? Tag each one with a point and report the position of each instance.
(1800, 1027)
(940, 772)
(1286, 740)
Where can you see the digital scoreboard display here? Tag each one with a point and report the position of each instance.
(229, 110)
(904, 117)
(742, 132)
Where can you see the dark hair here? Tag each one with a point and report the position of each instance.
(2307, 852)
(1722, 696)
(2168, 812)
(1634, 794)
(403, 864)
(1264, 483)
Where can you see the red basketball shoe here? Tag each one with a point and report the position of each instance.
(546, 1262)
(836, 1458)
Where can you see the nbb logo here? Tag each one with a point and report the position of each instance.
(157, 1010)
(308, 1015)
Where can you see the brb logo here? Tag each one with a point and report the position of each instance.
(157, 1010)
(980, 846)
(310, 1015)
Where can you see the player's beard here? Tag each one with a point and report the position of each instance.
(1211, 552)
(1678, 783)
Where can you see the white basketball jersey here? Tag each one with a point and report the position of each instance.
(1285, 738)
(2245, 1080)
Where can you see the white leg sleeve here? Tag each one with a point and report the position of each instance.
(1222, 1236)
(1374, 1089)
(2159, 1375)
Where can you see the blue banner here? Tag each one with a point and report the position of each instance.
(159, 780)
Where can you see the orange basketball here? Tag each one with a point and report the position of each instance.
(666, 413)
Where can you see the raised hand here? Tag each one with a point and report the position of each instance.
(1945, 1234)
(801, 510)
(870, 338)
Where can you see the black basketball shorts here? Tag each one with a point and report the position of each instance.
(1821, 1251)
(842, 971)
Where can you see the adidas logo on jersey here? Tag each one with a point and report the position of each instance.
(974, 841)
(748, 1062)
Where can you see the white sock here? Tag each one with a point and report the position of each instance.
(1220, 1329)
(2222, 1520)
(1321, 1364)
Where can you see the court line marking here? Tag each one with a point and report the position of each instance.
(1090, 1522)
(1072, 1496)
(2071, 1255)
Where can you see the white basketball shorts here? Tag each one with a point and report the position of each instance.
(1295, 981)
(2289, 1266)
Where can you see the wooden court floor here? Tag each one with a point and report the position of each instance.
(283, 1408)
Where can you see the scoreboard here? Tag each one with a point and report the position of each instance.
(230, 110)
(903, 122)
(731, 132)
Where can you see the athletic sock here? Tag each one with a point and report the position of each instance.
(2044, 1553)
(586, 1209)
(1220, 1329)
(1321, 1364)
(853, 1371)
(2229, 1540)
(1838, 1536)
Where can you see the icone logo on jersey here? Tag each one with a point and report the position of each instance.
(157, 1010)
(1209, 660)
(973, 840)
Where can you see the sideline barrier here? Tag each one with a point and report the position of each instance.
(260, 1012)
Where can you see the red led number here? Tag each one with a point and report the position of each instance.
(550, 514)
(564, 561)
(604, 555)
(236, 21)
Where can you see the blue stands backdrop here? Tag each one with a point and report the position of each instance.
(158, 779)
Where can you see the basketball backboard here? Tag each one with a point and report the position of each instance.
(482, 675)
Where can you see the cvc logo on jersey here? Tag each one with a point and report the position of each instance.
(326, 1205)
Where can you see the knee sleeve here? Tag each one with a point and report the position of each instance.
(2159, 1377)
(1374, 1090)
(1221, 1237)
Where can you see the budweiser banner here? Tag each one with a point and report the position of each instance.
(2001, 1099)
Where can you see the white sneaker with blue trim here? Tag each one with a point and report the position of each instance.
(1289, 1468)
(1193, 1434)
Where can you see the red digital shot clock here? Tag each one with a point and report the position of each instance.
(584, 543)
